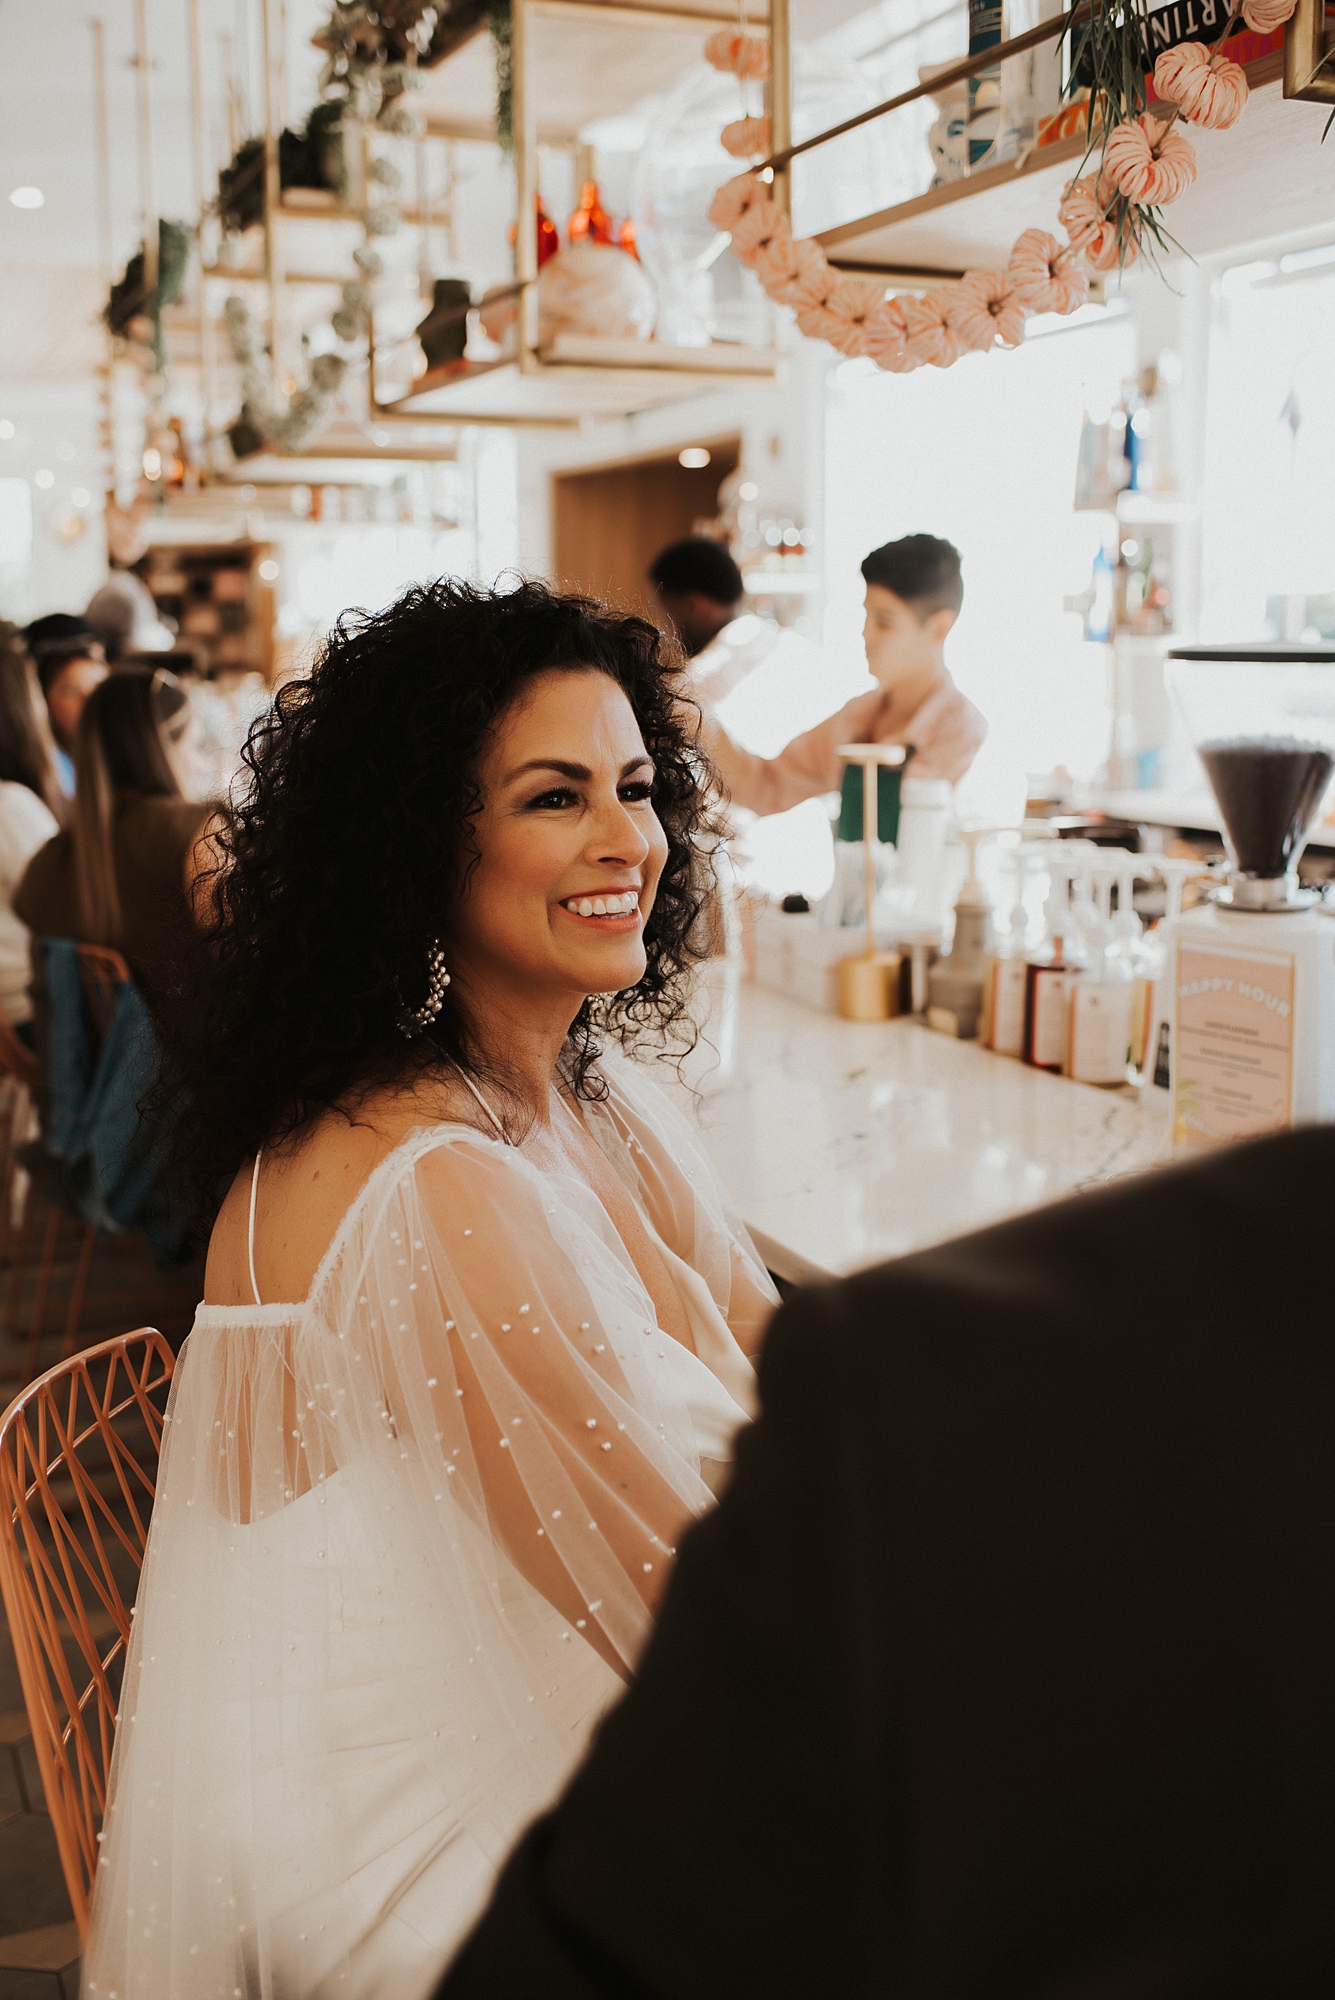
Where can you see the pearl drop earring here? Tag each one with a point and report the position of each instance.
(413, 1020)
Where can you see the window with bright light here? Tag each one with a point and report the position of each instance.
(1268, 551)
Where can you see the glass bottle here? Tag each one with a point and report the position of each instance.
(1047, 975)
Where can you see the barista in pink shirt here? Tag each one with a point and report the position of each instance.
(913, 597)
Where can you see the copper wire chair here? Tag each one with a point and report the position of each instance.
(78, 1469)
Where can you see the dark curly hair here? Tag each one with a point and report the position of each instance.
(340, 860)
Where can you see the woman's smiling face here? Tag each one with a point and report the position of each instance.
(571, 848)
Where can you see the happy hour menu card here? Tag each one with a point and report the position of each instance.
(1234, 1066)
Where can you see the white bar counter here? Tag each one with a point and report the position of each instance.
(843, 1143)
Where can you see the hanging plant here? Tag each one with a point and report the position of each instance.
(267, 418)
(129, 300)
(373, 53)
(502, 46)
(312, 158)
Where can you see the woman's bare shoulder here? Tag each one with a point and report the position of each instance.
(306, 1188)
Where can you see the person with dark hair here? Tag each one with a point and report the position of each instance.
(1003, 1667)
(478, 1320)
(122, 872)
(31, 806)
(700, 588)
(914, 591)
(68, 670)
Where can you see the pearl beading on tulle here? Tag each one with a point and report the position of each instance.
(414, 1020)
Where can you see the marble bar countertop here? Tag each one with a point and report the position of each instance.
(844, 1143)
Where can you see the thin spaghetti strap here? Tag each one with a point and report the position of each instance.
(250, 1233)
(505, 1137)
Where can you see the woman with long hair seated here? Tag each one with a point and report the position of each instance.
(478, 1321)
(31, 808)
(121, 873)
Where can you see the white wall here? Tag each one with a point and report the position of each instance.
(984, 453)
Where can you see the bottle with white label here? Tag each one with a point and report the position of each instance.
(1049, 971)
(1001, 1027)
(1098, 1033)
(1151, 997)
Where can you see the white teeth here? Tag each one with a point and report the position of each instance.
(604, 906)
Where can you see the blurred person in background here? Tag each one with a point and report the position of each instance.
(123, 873)
(124, 616)
(913, 597)
(31, 808)
(68, 670)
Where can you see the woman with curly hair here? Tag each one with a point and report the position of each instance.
(478, 1320)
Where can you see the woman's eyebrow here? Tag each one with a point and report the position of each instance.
(580, 772)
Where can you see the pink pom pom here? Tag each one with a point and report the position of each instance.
(1149, 162)
(746, 56)
(814, 287)
(885, 338)
(1264, 16)
(762, 225)
(985, 310)
(734, 198)
(853, 302)
(931, 341)
(819, 323)
(746, 138)
(1210, 89)
(784, 264)
(1041, 277)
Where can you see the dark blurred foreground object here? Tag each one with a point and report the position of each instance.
(1004, 1666)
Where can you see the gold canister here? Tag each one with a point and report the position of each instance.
(869, 987)
(870, 983)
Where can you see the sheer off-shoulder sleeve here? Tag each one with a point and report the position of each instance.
(395, 1529)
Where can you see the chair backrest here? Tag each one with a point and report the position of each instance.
(78, 1468)
(16, 1060)
(102, 973)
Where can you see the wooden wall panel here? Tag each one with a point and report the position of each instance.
(610, 523)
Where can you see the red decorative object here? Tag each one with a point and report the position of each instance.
(590, 222)
(549, 239)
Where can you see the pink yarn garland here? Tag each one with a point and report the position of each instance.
(931, 340)
(785, 264)
(1264, 16)
(854, 303)
(1145, 163)
(762, 225)
(1041, 274)
(1148, 161)
(885, 338)
(1209, 89)
(983, 310)
(746, 56)
(746, 138)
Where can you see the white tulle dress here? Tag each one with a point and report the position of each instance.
(344, 1698)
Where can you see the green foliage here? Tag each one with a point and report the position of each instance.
(1108, 52)
(312, 158)
(498, 20)
(128, 298)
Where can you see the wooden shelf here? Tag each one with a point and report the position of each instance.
(1269, 176)
(579, 377)
(595, 58)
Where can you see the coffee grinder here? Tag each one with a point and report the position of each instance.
(1251, 973)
